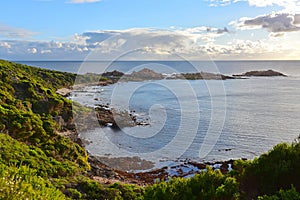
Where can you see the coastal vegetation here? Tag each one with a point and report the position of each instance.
(37, 162)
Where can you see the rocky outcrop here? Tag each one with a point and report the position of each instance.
(65, 92)
(261, 73)
(113, 75)
(148, 74)
(103, 115)
(116, 119)
(200, 76)
(143, 75)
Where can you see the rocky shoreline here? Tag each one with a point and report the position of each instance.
(185, 169)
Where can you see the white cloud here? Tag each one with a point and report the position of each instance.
(32, 50)
(46, 51)
(264, 3)
(82, 1)
(190, 43)
(14, 32)
(277, 34)
(223, 2)
(297, 19)
(274, 23)
(41, 50)
(5, 45)
(43, 0)
(288, 5)
(146, 42)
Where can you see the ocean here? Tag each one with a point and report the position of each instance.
(198, 120)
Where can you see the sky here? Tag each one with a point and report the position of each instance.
(150, 29)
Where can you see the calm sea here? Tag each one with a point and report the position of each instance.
(194, 120)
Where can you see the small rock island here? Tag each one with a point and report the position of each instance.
(261, 73)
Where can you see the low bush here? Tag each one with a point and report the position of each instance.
(207, 184)
(23, 183)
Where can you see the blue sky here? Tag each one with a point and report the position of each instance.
(149, 29)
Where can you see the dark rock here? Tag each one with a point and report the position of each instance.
(71, 126)
(100, 169)
(113, 74)
(224, 168)
(198, 165)
(59, 121)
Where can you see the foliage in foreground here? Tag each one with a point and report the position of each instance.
(273, 171)
(273, 175)
(17, 154)
(208, 184)
(23, 183)
(290, 194)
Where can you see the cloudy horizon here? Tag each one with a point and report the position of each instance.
(271, 33)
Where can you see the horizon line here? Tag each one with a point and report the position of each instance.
(148, 60)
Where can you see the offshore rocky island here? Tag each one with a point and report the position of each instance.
(41, 156)
(148, 74)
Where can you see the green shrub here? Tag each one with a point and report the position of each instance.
(22, 183)
(272, 171)
(290, 194)
(94, 190)
(129, 192)
(17, 153)
(208, 184)
(73, 193)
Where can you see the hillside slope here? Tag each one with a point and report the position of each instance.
(29, 105)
